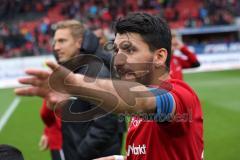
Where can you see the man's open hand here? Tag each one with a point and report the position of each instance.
(39, 84)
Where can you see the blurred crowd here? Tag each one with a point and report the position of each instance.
(219, 12)
(10, 8)
(18, 40)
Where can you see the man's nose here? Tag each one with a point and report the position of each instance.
(56, 47)
(120, 59)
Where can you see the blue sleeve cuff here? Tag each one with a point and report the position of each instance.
(164, 103)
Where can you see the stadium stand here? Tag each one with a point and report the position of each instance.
(27, 33)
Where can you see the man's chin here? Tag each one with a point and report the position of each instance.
(131, 78)
(62, 61)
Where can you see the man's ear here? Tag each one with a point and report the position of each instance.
(160, 57)
(79, 42)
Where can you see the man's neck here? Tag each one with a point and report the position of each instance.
(158, 76)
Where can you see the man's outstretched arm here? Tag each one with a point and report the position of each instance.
(115, 95)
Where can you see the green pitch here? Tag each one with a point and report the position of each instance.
(220, 98)
(24, 129)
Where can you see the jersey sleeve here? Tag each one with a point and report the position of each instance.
(164, 103)
(47, 115)
(185, 101)
(191, 60)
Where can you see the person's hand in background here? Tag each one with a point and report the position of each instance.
(177, 44)
(43, 143)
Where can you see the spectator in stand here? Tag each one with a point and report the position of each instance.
(190, 22)
(221, 12)
(203, 14)
(2, 49)
(177, 62)
(52, 136)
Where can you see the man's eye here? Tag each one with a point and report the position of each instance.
(62, 40)
(130, 50)
(125, 45)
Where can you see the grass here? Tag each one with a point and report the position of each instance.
(220, 98)
(6, 98)
(24, 129)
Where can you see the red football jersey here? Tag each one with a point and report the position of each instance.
(178, 139)
(176, 68)
(52, 127)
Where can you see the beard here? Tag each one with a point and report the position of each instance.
(140, 76)
(136, 72)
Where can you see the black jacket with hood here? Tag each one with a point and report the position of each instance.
(97, 137)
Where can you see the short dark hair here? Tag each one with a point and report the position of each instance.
(153, 29)
(8, 152)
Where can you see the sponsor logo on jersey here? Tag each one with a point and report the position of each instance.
(136, 150)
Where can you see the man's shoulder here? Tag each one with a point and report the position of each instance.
(179, 85)
(185, 97)
(172, 85)
(94, 68)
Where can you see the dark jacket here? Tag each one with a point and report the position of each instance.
(95, 138)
